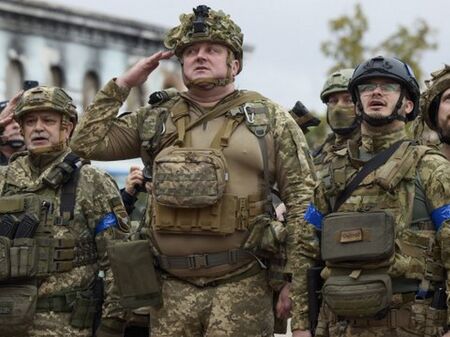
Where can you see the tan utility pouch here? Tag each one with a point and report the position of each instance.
(366, 296)
(189, 177)
(134, 274)
(17, 308)
(219, 219)
(357, 237)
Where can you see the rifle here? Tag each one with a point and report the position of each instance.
(314, 285)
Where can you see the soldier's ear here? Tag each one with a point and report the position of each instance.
(234, 67)
(409, 106)
(68, 126)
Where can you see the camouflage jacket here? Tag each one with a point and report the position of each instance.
(97, 197)
(100, 135)
(422, 169)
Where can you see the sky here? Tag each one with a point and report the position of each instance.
(287, 64)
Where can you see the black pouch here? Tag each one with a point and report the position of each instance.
(134, 274)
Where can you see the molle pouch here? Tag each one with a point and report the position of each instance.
(188, 177)
(24, 258)
(368, 296)
(134, 274)
(5, 262)
(218, 219)
(357, 237)
(17, 308)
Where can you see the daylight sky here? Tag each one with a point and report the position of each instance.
(287, 64)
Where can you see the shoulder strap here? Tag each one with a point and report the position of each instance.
(219, 110)
(68, 189)
(374, 163)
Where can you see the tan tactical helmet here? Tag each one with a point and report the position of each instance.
(206, 25)
(336, 82)
(429, 102)
(46, 98)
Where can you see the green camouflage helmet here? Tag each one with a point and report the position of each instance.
(429, 102)
(206, 25)
(46, 98)
(336, 82)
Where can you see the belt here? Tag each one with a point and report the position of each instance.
(395, 318)
(208, 260)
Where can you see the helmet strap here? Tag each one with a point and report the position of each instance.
(385, 120)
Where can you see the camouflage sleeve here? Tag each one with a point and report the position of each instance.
(100, 135)
(107, 219)
(295, 181)
(434, 173)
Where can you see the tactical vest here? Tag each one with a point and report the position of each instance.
(30, 251)
(200, 223)
(382, 240)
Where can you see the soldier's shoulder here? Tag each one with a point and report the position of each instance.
(91, 173)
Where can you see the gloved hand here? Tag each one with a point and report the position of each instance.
(110, 327)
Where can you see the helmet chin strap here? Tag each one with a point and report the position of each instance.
(384, 120)
(211, 82)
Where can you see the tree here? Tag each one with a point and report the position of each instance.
(409, 46)
(347, 48)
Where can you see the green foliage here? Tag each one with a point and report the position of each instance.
(347, 49)
(408, 45)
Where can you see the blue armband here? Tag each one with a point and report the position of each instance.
(314, 217)
(439, 215)
(109, 220)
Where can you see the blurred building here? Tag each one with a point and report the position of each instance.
(77, 50)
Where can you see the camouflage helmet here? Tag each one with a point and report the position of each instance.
(336, 82)
(46, 98)
(206, 25)
(387, 67)
(429, 104)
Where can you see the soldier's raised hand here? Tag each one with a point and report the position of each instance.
(7, 115)
(137, 74)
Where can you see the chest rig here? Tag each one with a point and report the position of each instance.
(382, 240)
(27, 218)
(189, 187)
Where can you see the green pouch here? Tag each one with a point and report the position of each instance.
(134, 274)
(365, 297)
(17, 308)
(84, 310)
(5, 262)
(24, 258)
(356, 236)
(266, 236)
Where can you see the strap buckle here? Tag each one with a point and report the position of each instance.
(249, 117)
(197, 261)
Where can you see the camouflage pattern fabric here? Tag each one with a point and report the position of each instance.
(433, 172)
(96, 195)
(102, 136)
(242, 308)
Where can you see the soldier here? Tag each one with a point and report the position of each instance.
(384, 217)
(435, 106)
(215, 153)
(57, 216)
(341, 117)
(11, 139)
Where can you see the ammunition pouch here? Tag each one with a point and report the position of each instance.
(135, 275)
(189, 177)
(80, 303)
(369, 295)
(17, 308)
(267, 237)
(354, 239)
(40, 257)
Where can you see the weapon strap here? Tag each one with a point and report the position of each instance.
(379, 160)
(68, 190)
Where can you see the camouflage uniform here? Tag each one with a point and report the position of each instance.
(68, 283)
(413, 188)
(234, 298)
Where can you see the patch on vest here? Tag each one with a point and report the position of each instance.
(352, 235)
